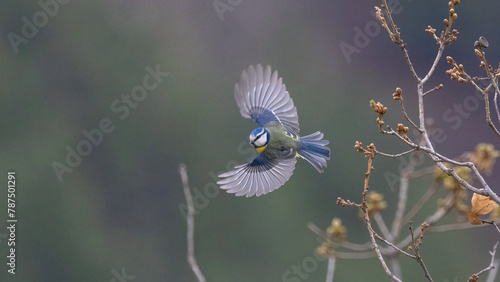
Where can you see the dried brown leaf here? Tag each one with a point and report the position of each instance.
(473, 218)
(482, 204)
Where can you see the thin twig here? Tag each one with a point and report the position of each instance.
(492, 223)
(469, 79)
(433, 89)
(439, 159)
(331, 269)
(190, 225)
(459, 71)
(431, 70)
(351, 255)
(415, 248)
(395, 35)
(488, 115)
(360, 249)
(420, 203)
(405, 114)
(492, 274)
(395, 264)
(426, 146)
(492, 263)
(314, 228)
(370, 153)
(395, 247)
(377, 250)
(403, 198)
(348, 245)
(383, 227)
(423, 172)
(496, 105)
(356, 247)
(432, 219)
(446, 38)
(484, 92)
(493, 82)
(454, 227)
(395, 155)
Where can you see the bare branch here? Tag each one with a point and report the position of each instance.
(459, 73)
(492, 223)
(359, 248)
(383, 227)
(331, 269)
(403, 198)
(395, 35)
(432, 219)
(447, 36)
(403, 110)
(488, 115)
(431, 70)
(496, 104)
(370, 154)
(424, 145)
(395, 264)
(348, 245)
(351, 255)
(420, 203)
(422, 172)
(415, 247)
(491, 266)
(395, 155)
(439, 159)
(314, 228)
(440, 86)
(395, 247)
(492, 274)
(377, 251)
(454, 227)
(493, 82)
(190, 225)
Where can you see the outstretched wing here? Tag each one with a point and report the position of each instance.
(258, 177)
(263, 98)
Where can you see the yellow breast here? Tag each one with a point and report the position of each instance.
(261, 149)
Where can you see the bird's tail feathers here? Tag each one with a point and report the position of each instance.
(314, 150)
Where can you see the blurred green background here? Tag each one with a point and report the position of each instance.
(120, 209)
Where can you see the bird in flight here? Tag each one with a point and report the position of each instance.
(263, 97)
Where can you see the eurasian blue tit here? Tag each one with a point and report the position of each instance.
(263, 97)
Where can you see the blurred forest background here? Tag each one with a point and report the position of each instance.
(119, 211)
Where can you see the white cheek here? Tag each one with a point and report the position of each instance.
(261, 141)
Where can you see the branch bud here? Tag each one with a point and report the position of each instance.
(397, 94)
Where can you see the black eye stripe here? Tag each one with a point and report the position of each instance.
(260, 135)
(257, 137)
